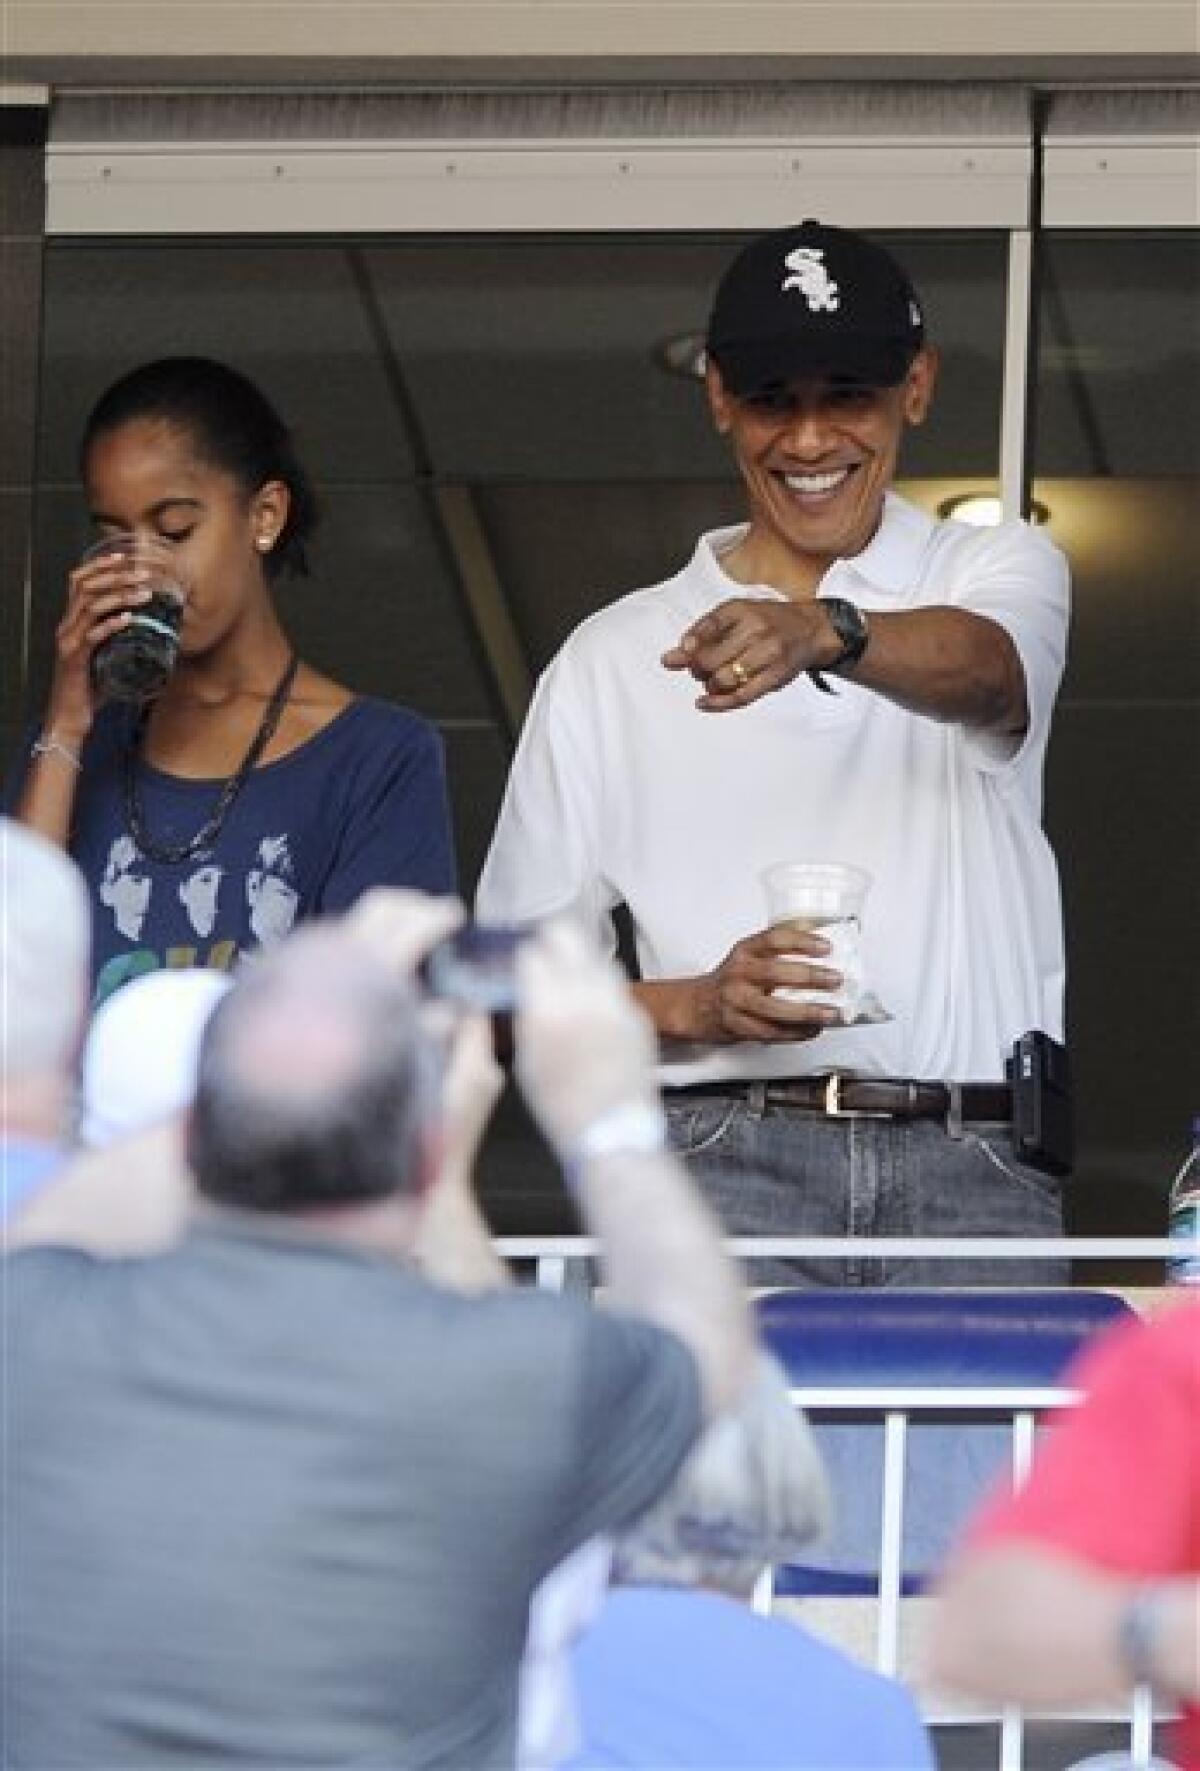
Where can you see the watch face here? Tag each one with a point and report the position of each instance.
(850, 626)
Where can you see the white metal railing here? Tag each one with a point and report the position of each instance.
(552, 1252)
(895, 1403)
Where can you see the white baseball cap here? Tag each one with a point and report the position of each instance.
(141, 1051)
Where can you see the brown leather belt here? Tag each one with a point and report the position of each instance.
(837, 1096)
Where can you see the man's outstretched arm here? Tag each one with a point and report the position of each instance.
(946, 663)
(584, 1060)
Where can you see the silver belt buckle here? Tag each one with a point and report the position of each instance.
(833, 1098)
(832, 1104)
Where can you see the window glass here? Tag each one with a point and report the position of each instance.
(1115, 453)
(524, 369)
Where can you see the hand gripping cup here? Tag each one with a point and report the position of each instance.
(827, 897)
(135, 663)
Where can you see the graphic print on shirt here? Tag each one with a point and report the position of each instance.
(270, 893)
(198, 894)
(268, 889)
(126, 886)
(361, 804)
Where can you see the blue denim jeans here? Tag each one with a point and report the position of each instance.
(772, 1171)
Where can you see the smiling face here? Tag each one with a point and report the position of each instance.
(816, 458)
(146, 477)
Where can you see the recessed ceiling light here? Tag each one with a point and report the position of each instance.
(983, 510)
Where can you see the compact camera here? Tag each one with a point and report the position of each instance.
(476, 967)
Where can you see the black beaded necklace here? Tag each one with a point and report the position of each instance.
(208, 832)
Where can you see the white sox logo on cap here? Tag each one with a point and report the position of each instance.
(809, 276)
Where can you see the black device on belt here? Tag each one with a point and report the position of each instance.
(1043, 1131)
(1035, 1100)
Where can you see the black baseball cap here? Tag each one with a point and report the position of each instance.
(813, 300)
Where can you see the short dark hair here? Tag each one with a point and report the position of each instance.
(231, 424)
(259, 1140)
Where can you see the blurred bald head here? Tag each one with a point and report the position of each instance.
(312, 1089)
(45, 934)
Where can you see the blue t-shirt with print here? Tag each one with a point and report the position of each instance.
(362, 803)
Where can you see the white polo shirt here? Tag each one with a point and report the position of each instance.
(622, 790)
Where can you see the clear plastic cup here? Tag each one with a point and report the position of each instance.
(826, 898)
(135, 663)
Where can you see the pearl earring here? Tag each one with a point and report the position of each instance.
(263, 542)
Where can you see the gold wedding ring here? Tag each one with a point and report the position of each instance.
(739, 673)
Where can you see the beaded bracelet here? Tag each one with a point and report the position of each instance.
(52, 746)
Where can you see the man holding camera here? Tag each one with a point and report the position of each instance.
(276, 1497)
(876, 689)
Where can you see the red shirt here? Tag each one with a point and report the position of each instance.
(1118, 1482)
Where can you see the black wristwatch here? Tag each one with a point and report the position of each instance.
(850, 625)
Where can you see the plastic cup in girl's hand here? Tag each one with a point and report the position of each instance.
(134, 663)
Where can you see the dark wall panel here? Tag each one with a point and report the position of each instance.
(22, 221)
